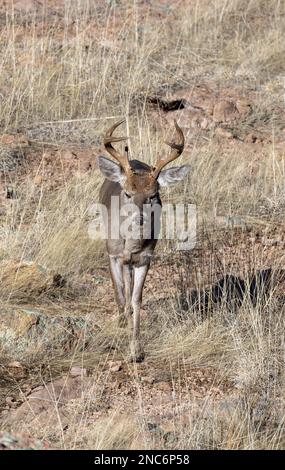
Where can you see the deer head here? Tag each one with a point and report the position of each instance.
(141, 183)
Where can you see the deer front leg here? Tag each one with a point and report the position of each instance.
(137, 351)
(128, 281)
(116, 269)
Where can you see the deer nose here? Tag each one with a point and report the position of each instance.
(139, 219)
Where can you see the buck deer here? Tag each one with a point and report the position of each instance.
(138, 184)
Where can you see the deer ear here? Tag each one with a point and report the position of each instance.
(111, 170)
(173, 175)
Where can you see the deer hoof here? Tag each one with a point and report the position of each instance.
(137, 352)
(122, 321)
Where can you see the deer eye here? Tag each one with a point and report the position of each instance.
(153, 198)
(128, 196)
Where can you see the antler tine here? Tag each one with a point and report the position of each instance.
(177, 149)
(109, 138)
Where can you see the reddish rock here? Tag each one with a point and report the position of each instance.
(164, 386)
(115, 366)
(38, 179)
(224, 111)
(15, 141)
(25, 6)
(44, 404)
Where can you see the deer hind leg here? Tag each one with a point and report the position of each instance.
(116, 269)
(137, 351)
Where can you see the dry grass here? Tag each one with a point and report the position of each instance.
(73, 71)
(62, 82)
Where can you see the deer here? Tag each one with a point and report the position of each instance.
(137, 185)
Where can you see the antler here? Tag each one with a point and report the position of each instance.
(108, 139)
(177, 149)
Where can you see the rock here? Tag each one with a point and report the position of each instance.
(153, 427)
(10, 401)
(224, 111)
(25, 6)
(14, 141)
(20, 441)
(148, 379)
(63, 164)
(24, 332)
(170, 440)
(44, 407)
(221, 132)
(115, 366)
(38, 179)
(78, 372)
(250, 138)
(24, 281)
(243, 106)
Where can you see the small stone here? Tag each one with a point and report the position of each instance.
(151, 427)
(38, 179)
(251, 139)
(24, 5)
(78, 372)
(164, 386)
(224, 110)
(204, 123)
(170, 439)
(148, 380)
(11, 402)
(115, 366)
